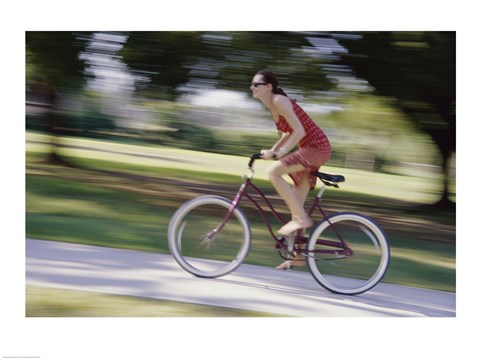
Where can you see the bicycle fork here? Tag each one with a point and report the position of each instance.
(231, 209)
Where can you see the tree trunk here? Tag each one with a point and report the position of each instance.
(445, 202)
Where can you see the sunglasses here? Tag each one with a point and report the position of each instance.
(255, 84)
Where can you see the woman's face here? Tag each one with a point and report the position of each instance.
(258, 87)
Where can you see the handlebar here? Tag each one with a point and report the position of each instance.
(253, 158)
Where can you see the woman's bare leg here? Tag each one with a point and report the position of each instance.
(301, 192)
(293, 198)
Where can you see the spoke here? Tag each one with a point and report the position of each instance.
(365, 258)
(207, 241)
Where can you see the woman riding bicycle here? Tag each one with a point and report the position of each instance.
(297, 128)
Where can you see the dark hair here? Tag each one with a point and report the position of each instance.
(270, 78)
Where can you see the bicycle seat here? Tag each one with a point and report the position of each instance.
(329, 177)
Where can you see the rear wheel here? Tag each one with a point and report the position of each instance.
(348, 274)
(196, 244)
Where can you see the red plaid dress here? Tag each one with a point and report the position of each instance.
(313, 149)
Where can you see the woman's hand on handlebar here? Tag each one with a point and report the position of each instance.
(268, 154)
(264, 154)
(253, 158)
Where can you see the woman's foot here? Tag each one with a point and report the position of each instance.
(289, 264)
(295, 225)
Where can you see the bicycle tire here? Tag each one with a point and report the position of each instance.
(205, 256)
(354, 274)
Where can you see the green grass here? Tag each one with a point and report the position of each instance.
(65, 210)
(49, 302)
(210, 166)
(72, 211)
(111, 203)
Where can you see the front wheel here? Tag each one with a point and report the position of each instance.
(348, 253)
(205, 241)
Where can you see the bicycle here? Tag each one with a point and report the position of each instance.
(346, 252)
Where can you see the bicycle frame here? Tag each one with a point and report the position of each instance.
(339, 248)
(202, 249)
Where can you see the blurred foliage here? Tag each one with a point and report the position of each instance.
(220, 59)
(371, 134)
(414, 71)
(191, 136)
(162, 59)
(418, 69)
(90, 121)
(53, 65)
(52, 58)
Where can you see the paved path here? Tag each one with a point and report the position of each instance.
(157, 276)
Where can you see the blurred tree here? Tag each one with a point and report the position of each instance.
(415, 68)
(229, 60)
(53, 65)
(170, 64)
(418, 70)
(161, 60)
(290, 55)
